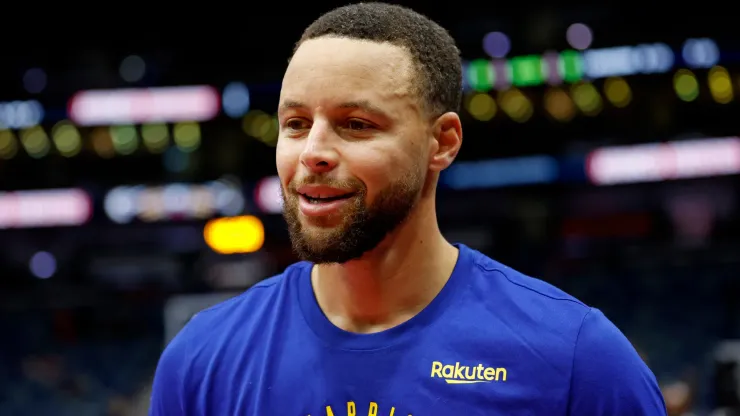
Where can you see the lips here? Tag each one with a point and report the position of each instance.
(321, 192)
(322, 200)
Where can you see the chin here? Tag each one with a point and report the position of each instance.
(327, 224)
(329, 257)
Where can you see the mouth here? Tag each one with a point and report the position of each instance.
(314, 204)
(319, 199)
(322, 200)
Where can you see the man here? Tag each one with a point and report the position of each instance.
(385, 317)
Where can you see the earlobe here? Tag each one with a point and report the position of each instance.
(448, 135)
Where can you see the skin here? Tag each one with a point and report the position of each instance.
(348, 114)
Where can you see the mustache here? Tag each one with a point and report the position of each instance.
(349, 184)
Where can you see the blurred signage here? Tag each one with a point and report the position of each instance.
(173, 202)
(146, 105)
(700, 53)
(243, 234)
(44, 208)
(501, 172)
(20, 114)
(664, 161)
(267, 195)
(235, 100)
(628, 60)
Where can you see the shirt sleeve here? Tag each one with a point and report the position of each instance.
(609, 378)
(169, 381)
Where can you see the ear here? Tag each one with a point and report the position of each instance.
(447, 131)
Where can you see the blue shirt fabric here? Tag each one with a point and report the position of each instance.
(493, 342)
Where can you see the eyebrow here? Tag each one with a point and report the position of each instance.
(290, 104)
(363, 105)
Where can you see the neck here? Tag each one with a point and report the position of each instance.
(393, 282)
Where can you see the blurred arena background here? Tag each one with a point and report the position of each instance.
(137, 183)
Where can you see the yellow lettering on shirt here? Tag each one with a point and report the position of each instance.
(351, 409)
(464, 374)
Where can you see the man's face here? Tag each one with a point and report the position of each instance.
(353, 151)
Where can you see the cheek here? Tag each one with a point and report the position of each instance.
(379, 167)
(286, 161)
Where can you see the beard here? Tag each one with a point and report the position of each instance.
(361, 228)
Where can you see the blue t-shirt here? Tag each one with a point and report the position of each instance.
(493, 342)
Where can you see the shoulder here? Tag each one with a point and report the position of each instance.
(526, 314)
(253, 299)
(609, 377)
(525, 296)
(187, 358)
(245, 309)
(210, 329)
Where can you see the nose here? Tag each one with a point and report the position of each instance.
(319, 154)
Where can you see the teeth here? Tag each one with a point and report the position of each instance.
(319, 199)
(313, 200)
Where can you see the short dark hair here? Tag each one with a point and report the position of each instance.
(433, 51)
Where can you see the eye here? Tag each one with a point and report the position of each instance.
(358, 125)
(296, 124)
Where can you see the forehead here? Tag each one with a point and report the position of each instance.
(330, 69)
